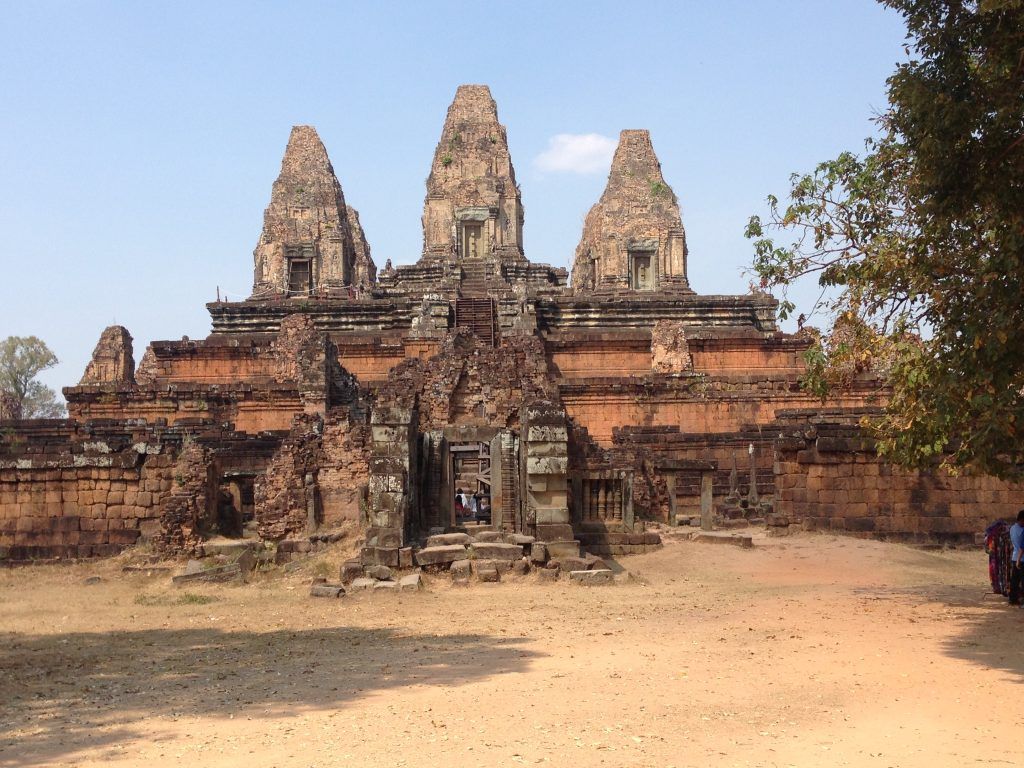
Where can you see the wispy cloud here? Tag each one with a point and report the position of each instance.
(576, 153)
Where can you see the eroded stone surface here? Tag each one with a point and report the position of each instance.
(633, 237)
(307, 245)
(112, 360)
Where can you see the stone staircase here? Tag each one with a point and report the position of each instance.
(478, 315)
(474, 278)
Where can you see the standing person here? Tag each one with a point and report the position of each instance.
(1017, 575)
(473, 507)
(460, 505)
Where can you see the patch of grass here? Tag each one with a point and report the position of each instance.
(446, 160)
(322, 568)
(185, 598)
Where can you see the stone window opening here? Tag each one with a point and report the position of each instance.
(299, 277)
(641, 271)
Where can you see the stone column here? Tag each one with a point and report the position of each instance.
(392, 479)
(706, 501)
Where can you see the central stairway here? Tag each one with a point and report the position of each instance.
(477, 315)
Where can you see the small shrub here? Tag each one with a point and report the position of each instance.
(446, 160)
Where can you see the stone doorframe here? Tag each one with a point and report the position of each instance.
(463, 435)
(669, 469)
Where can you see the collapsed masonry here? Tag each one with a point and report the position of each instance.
(471, 390)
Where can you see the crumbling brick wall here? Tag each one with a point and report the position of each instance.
(316, 478)
(68, 495)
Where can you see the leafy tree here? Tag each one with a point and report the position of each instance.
(918, 244)
(22, 358)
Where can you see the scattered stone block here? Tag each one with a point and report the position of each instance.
(385, 585)
(448, 539)
(739, 540)
(361, 584)
(539, 552)
(519, 538)
(326, 590)
(93, 579)
(487, 536)
(573, 564)
(486, 571)
(218, 574)
(194, 566)
(495, 551)
(351, 569)
(381, 572)
(246, 561)
(440, 555)
(548, 574)
(560, 549)
(460, 570)
(413, 582)
(591, 578)
(295, 546)
(405, 559)
(379, 556)
(521, 567)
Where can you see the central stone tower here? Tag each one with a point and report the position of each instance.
(473, 209)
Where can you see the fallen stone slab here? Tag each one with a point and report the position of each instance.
(148, 570)
(351, 569)
(563, 549)
(487, 536)
(548, 574)
(381, 572)
(521, 566)
(230, 547)
(361, 584)
(591, 578)
(460, 570)
(448, 539)
(220, 573)
(379, 586)
(519, 538)
(440, 555)
(495, 551)
(326, 590)
(411, 583)
(736, 539)
(539, 552)
(568, 564)
(486, 571)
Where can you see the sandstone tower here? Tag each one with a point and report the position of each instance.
(633, 238)
(473, 208)
(311, 244)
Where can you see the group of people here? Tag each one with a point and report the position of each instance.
(1005, 546)
(472, 506)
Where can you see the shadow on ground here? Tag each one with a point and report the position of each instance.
(56, 691)
(991, 632)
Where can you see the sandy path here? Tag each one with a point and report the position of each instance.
(805, 651)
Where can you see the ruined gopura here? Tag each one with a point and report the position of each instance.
(575, 411)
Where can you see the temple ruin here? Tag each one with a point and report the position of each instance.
(574, 414)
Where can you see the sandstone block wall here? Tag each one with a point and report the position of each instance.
(55, 503)
(833, 480)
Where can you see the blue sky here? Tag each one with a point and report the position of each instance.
(139, 140)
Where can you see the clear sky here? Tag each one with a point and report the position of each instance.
(139, 140)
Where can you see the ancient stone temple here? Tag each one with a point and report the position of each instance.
(470, 389)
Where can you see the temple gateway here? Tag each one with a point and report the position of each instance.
(473, 388)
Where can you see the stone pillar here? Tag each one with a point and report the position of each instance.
(706, 501)
(670, 489)
(391, 497)
(545, 457)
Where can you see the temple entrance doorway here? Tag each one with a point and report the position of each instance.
(470, 473)
(472, 240)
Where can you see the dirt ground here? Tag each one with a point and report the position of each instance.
(806, 651)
